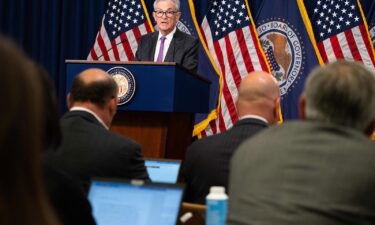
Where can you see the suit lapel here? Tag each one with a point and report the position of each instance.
(152, 47)
(175, 43)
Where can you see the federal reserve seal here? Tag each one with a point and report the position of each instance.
(284, 52)
(125, 82)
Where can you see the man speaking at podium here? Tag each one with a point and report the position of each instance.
(169, 44)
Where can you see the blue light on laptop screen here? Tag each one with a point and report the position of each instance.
(123, 203)
(162, 171)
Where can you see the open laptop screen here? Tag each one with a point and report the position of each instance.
(116, 202)
(163, 170)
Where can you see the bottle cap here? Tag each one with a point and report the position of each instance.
(217, 190)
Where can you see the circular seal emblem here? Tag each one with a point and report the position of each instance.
(284, 52)
(125, 82)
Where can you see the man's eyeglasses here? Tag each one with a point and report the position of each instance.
(160, 13)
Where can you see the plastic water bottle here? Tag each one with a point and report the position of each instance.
(216, 206)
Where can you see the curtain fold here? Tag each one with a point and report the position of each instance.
(50, 31)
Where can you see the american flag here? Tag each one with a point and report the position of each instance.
(124, 22)
(228, 32)
(340, 31)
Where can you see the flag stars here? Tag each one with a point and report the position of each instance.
(343, 11)
(133, 2)
(243, 6)
(338, 26)
(138, 6)
(223, 2)
(356, 19)
(126, 24)
(135, 21)
(237, 2)
(350, 15)
(347, 23)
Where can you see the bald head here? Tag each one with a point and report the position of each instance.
(94, 86)
(93, 75)
(258, 94)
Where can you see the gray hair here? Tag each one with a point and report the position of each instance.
(342, 93)
(176, 3)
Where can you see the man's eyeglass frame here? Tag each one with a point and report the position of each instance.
(169, 14)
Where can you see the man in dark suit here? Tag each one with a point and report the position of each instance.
(317, 171)
(168, 44)
(88, 147)
(207, 160)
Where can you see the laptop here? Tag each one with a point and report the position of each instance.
(163, 170)
(122, 202)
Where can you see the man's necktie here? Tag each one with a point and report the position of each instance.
(161, 49)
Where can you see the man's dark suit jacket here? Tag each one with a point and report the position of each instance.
(67, 198)
(182, 50)
(88, 150)
(303, 173)
(207, 160)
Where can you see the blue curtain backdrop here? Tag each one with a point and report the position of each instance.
(50, 31)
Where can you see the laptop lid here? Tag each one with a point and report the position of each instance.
(163, 170)
(116, 202)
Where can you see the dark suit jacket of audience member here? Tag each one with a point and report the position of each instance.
(88, 150)
(303, 173)
(207, 160)
(67, 198)
(182, 50)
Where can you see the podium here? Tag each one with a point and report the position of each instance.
(160, 116)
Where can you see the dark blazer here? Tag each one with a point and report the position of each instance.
(67, 198)
(88, 150)
(303, 173)
(207, 160)
(182, 50)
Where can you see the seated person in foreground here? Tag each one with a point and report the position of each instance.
(320, 170)
(207, 160)
(88, 147)
(169, 44)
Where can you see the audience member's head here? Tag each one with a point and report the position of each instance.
(258, 94)
(22, 196)
(95, 90)
(342, 93)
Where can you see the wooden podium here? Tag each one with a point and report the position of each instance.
(160, 115)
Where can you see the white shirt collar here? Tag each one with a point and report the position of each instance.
(168, 36)
(77, 108)
(254, 117)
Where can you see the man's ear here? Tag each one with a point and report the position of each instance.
(69, 101)
(370, 130)
(302, 107)
(113, 106)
